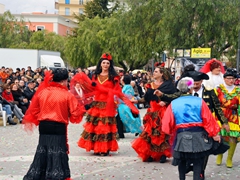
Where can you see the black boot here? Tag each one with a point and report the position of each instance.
(121, 136)
(105, 154)
(150, 159)
(163, 159)
(10, 121)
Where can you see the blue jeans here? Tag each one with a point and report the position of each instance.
(7, 108)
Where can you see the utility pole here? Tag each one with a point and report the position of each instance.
(238, 51)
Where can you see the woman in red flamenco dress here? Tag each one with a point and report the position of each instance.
(153, 144)
(100, 129)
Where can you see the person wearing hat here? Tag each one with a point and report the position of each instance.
(195, 128)
(215, 70)
(52, 108)
(29, 91)
(208, 95)
(229, 97)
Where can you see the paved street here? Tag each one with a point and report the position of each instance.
(17, 149)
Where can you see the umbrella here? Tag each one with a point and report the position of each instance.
(92, 68)
(138, 70)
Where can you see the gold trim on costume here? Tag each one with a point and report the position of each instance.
(102, 79)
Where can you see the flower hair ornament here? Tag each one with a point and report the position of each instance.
(159, 64)
(106, 56)
(185, 83)
(190, 83)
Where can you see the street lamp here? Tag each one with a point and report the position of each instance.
(155, 54)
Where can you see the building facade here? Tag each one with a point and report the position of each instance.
(38, 21)
(2, 8)
(67, 8)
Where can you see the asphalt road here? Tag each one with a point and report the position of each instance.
(17, 149)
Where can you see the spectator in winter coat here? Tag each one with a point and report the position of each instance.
(29, 91)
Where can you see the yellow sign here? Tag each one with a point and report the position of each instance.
(201, 53)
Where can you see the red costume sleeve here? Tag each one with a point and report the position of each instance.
(76, 110)
(168, 121)
(209, 122)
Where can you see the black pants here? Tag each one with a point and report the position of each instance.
(119, 126)
(189, 166)
(197, 168)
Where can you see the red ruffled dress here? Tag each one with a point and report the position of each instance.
(100, 129)
(152, 142)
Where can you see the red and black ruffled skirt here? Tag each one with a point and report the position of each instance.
(152, 142)
(100, 131)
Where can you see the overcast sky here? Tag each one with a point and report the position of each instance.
(20, 6)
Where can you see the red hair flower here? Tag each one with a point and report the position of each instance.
(162, 64)
(158, 64)
(106, 56)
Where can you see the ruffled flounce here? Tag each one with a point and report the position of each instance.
(98, 147)
(100, 134)
(152, 141)
(234, 132)
(100, 128)
(226, 134)
(99, 109)
(144, 150)
(105, 120)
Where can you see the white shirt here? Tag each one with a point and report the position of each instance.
(200, 91)
(79, 92)
(229, 88)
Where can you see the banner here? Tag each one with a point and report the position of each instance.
(200, 52)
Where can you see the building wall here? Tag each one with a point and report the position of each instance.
(50, 22)
(2, 8)
(63, 30)
(33, 26)
(74, 6)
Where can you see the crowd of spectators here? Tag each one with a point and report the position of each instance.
(18, 87)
